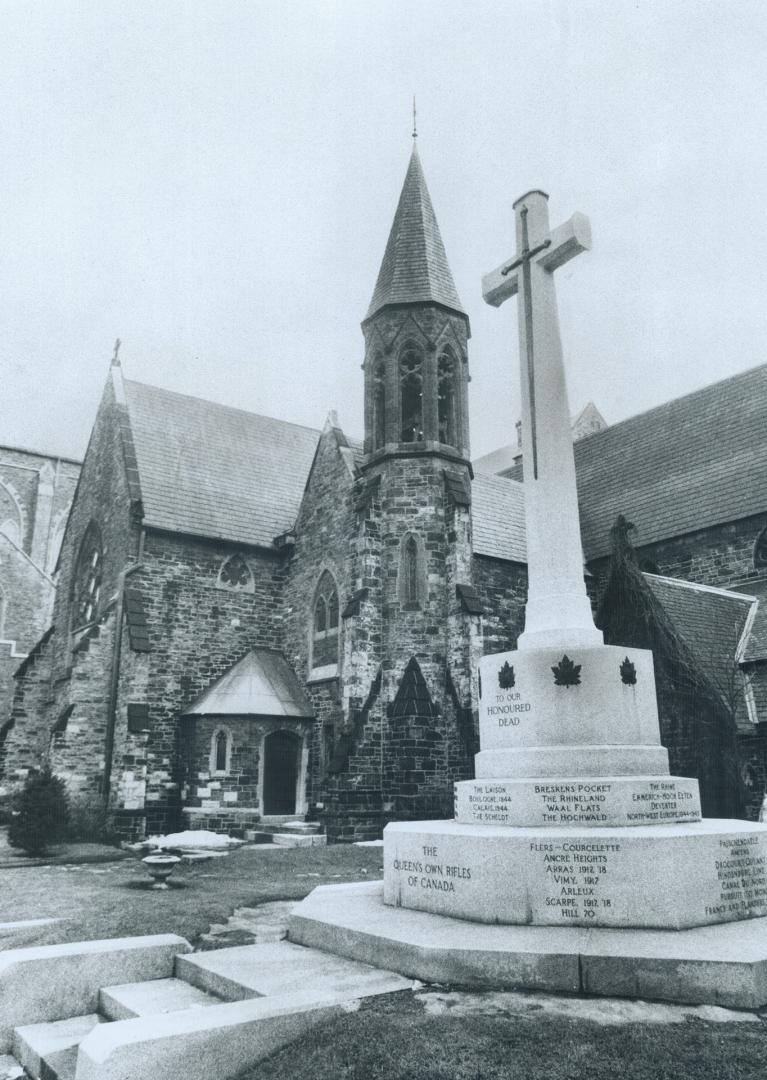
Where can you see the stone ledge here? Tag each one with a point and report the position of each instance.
(714, 965)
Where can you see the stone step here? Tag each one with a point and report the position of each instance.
(151, 998)
(298, 827)
(282, 968)
(296, 840)
(10, 1069)
(201, 1044)
(49, 1051)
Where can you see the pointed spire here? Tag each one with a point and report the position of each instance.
(414, 267)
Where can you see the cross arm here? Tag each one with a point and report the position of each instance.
(567, 241)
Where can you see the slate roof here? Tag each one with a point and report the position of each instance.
(262, 683)
(498, 518)
(414, 267)
(686, 465)
(211, 470)
(710, 621)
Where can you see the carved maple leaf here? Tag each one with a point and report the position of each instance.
(628, 673)
(566, 673)
(506, 676)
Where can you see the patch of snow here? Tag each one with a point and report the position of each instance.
(604, 1011)
(368, 843)
(197, 839)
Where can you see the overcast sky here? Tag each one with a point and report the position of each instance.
(213, 181)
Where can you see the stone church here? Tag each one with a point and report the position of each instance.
(256, 621)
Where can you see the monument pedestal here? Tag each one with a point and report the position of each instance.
(575, 862)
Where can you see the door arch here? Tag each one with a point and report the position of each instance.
(282, 768)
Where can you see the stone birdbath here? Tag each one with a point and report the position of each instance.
(160, 867)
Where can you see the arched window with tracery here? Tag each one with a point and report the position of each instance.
(446, 371)
(411, 396)
(235, 574)
(87, 581)
(325, 622)
(379, 404)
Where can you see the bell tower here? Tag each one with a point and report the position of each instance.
(410, 640)
(416, 334)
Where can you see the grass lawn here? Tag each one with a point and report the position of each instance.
(109, 899)
(394, 1038)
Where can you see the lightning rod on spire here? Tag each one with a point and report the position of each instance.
(415, 127)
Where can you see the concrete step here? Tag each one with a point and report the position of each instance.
(151, 998)
(10, 1068)
(298, 840)
(200, 1044)
(282, 968)
(49, 1051)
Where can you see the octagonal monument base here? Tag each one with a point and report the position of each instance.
(710, 965)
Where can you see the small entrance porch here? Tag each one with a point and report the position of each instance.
(246, 745)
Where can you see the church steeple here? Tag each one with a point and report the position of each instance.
(414, 267)
(416, 331)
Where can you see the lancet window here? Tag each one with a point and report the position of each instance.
(446, 371)
(221, 751)
(87, 583)
(411, 396)
(411, 577)
(325, 624)
(379, 405)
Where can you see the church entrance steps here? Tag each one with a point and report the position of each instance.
(151, 998)
(724, 964)
(291, 840)
(49, 1051)
(287, 833)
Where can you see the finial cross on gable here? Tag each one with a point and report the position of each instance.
(539, 251)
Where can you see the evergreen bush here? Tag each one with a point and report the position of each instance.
(41, 812)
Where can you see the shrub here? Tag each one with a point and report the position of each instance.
(40, 814)
(90, 822)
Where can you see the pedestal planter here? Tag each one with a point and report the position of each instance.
(160, 867)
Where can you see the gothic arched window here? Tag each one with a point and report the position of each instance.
(379, 405)
(10, 515)
(221, 751)
(411, 577)
(236, 574)
(760, 551)
(411, 570)
(446, 398)
(87, 580)
(325, 622)
(411, 396)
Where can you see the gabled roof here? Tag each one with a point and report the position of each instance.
(686, 465)
(710, 621)
(211, 470)
(261, 684)
(498, 518)
(414, 267)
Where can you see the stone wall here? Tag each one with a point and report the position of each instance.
(197, 629)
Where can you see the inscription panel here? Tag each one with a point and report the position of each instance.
(593, 802)
(665, 876)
